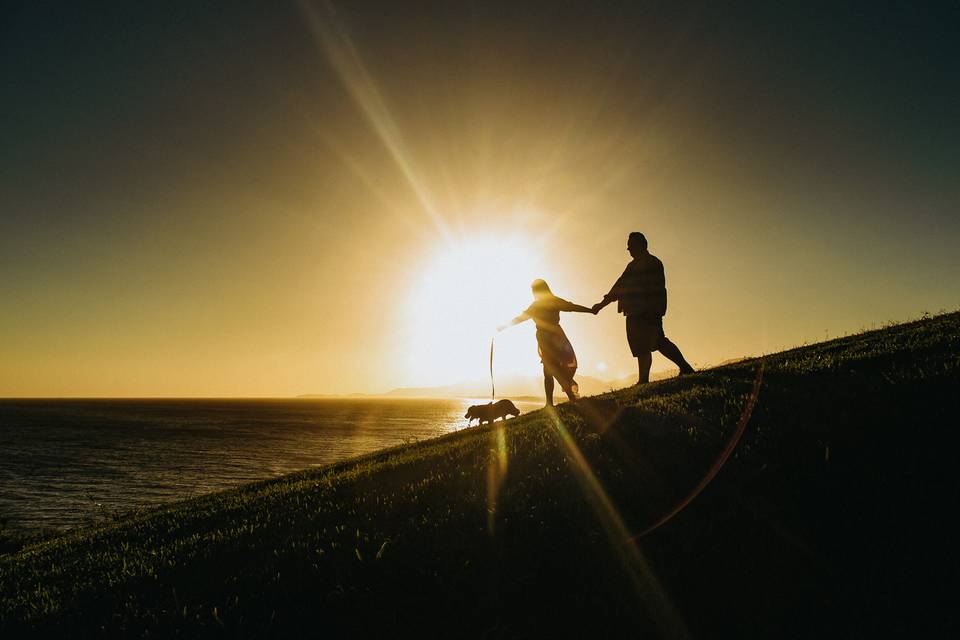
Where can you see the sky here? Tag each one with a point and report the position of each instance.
(282, 198)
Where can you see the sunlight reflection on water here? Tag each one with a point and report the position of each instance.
(70, 462)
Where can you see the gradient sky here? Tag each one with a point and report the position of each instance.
(243, 199)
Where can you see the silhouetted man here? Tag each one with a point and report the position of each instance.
(641, 295)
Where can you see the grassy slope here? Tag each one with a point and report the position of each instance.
(831, 518)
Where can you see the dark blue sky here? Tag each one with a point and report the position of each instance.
(134, 94)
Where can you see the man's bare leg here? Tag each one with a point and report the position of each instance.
(672, 353)
(548, 389)
(643, 367)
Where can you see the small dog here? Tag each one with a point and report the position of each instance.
(491, 411)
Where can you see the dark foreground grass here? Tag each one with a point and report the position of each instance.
(832, 518)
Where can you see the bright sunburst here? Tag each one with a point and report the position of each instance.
(463, 292)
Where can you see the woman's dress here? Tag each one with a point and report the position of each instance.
(556, 352)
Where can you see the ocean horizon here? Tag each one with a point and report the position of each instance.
(69, 462)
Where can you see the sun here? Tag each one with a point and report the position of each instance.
(463, 291)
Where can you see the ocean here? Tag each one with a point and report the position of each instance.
(65, 463)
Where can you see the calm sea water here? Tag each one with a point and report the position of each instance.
(70, 462)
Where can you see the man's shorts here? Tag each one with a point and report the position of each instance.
(644, 334)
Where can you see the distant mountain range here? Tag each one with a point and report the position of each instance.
(517, 387)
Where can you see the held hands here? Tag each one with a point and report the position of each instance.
(595, 309)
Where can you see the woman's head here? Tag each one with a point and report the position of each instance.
(540, 289)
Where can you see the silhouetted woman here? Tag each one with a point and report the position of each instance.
(556, 352)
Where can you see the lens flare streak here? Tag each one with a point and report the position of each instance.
(496, 473)
(647, 586)
(359, 83)
(721, 459)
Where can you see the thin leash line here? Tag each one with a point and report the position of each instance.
(493, 391)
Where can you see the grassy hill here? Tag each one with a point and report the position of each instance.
(832, 517)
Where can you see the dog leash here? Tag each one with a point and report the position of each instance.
(493, 392)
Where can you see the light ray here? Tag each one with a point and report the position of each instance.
(364, 176)
(496, 473)
(346, 61)
(648, 587)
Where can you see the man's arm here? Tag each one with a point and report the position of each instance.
(614, 293)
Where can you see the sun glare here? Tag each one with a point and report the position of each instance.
(464, 291)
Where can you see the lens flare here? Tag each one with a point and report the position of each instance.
(648, 588)
(496, 473)
(459, 295)
(345, 59)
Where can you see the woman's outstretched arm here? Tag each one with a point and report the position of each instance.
(523, 317)
(576, 308)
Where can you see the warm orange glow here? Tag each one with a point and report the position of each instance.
(463, 291)
(371, 211)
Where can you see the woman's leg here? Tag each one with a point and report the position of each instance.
(569, 385)
(548, 389)
(644, 360)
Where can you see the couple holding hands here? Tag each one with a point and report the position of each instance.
(641, 296)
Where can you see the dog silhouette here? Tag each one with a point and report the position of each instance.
(491, 411)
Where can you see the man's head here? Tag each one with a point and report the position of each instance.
(636, 244)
